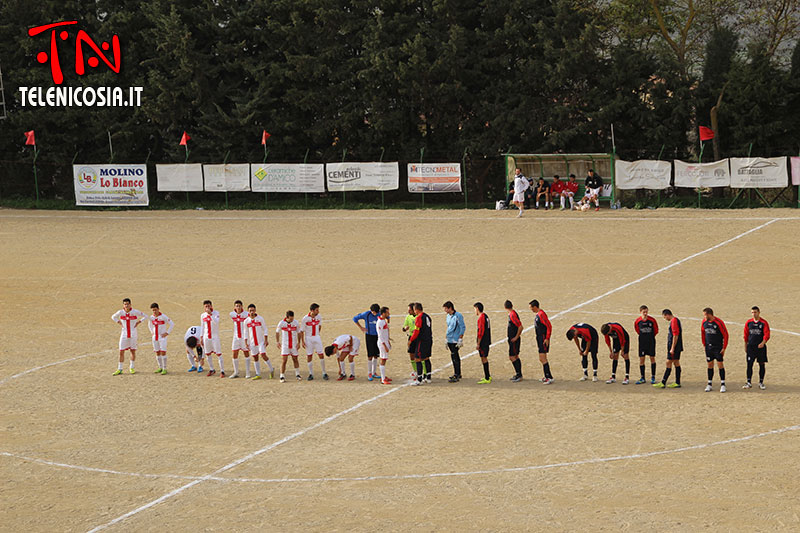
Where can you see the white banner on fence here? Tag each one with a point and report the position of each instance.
(286, 177)
(227, 178)
(180, 177)
(110, 184)
(758, 173)
(434, 177)
(702, 174)
(362, 176)
(642, 174)
(795, 170)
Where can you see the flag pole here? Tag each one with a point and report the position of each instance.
(344, 193)
(264, 162)
(35, 175)
(422, 153)
(110, 147)
(224, 163)
(700, 160)
(464, 173)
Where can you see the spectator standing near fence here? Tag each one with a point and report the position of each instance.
(594, 188)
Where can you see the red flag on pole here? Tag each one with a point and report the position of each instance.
(264, 137)
(706, 134)
(29, 138)
(184, 138)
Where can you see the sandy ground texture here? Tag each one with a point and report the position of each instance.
(81, 449)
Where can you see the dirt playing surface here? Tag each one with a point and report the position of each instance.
(80, 448)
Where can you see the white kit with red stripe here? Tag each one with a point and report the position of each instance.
(311, 326)
(211, 340)
(256, 332)
(239, 332)
(342, 343)
(128, 338)
(159, 325)
(288, 331)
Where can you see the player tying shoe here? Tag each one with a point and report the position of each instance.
(613, 331)
(647, 329)
(128, 318)
(345, 347)
(514, 341)
(543, 330)
(212, 344)
(588, 343)
(286, 336)
(258, 340)
(483, 341)
(239, 338)
(423, 336)
(193, 341)
(756, 335)
(384, 342)
(715, 340)
(674, 349)
(160, 326)
(311, 327)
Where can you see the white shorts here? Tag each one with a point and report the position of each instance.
(126, 343)
(160, 345)
(593, 192)
(356, 346)
(212, 345)
(285, 350)
(567, 193)
(384, 353)
(519, 197)
(239, 344)
(257, 349)
(314, 344)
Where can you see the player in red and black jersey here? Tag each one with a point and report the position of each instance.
(587, 344)
(613, 331)
(514, 333)
(674, 349)
(756, 335)
(647, 329)
(484, 341)
(423, 336)
(543, 330)
(715, 340)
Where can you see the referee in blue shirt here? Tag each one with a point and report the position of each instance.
(455, 337)
(370, 331)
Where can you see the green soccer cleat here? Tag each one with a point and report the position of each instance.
(158, 371)
(257, 376)
(674, 386)
(659, 385)
(163, 371)
(132, 370)
(117, 373)
(485, 381)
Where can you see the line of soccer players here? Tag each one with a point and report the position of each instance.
(251, 337)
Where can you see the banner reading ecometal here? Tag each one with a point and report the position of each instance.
(434, 177)
(758, 173)
(287, 177)
(702, 174)
(642, 174)
(362, 176)
(121, 185)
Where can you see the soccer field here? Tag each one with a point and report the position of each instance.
(83, 450)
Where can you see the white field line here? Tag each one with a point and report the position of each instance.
(30, 370)
(357, 406)
(428, 475)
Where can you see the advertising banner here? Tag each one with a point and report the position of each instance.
(227, 178)
(362, 176)
(643, 174)
(286, 177)
(758, 173)
(121, 185)
(702, 174)
(434, 177)
(795, 170)
(180, 177)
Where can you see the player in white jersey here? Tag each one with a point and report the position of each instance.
(211, 341)
(193, 341)
(239, 338)
(258, 339)
(310, 338)
(345, 347)
(128, 318)
(384, 343)
(286, 335)
(160, 326)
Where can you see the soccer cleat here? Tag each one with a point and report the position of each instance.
(199, 369)
(283, 379)
(233, 376)
(257, 376)
(659, 385)
(597, 209)
(386, 381)
(341, 377)
(653, 379)
(132, 370)
(548, 381)
(247, 376)
(516, 379)
(674, 386)
(747, 385)
(163, 371)
(708, 388)
(299, 377)
(625, 381)
(640, 381)
(272, 374)
(311, 377)
(211, 373)
(722, 388)
(222, 374)
(158, 371)
(762, 386)
(351, 378)
(193, 369)
(584, 378)
(426, 380)
(611, 380)
(415, 383)
(595, 379)
(117, 373)
(485, 381)
(325, 377)
(453, 379)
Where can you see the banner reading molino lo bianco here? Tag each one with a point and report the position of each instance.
(434, 177)
(120, 185)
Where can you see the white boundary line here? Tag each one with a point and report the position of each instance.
(357, 406)
(429, 475)
(15, 376)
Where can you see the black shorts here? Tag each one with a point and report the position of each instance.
(713, 353)
(647, 348)
(617, 347)
(423, 350)
(483, 350)
(592, 348)
(513, 347)
(543, 348)
(676, 357)
(412, 348)
(372, 345)
(757, 354)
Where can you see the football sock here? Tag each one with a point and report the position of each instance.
(269, 365)
(428, 368)
(353, 368)
(486, 370)
(627, 367)
(585, 364)
(762, 371)
(310, 368)
(132, 364)
(419, 370)
(667, 372)
(594, 362)
(652, 370)
(158, 361)
(211, 361)
(219, 360)
(517, 366)
(750, 370)
(571, 202)
(562, 201)
(190, 358)
(614, 364)
(236, 366)
(722, 375)
(322, 365)
(296, 371)
(710, 375)
(641, 370)
(341, 367)
(119, 366)
(678, 375)
(546, 368)
(247, 365)
(257, 364)
(164, 362)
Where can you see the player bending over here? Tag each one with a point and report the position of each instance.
(311, 327)
(239, 338)
(613, 331)
(212, 344)
(756, 335)
(483, 341)
(286, 336)
(258, 340)
(543, 330)
(160, 326)
(345, 347)
(715, 340)
(674, 349)
(193, 341)
(588, 343)
(384, 343)
(128, 318)
(647, 329)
